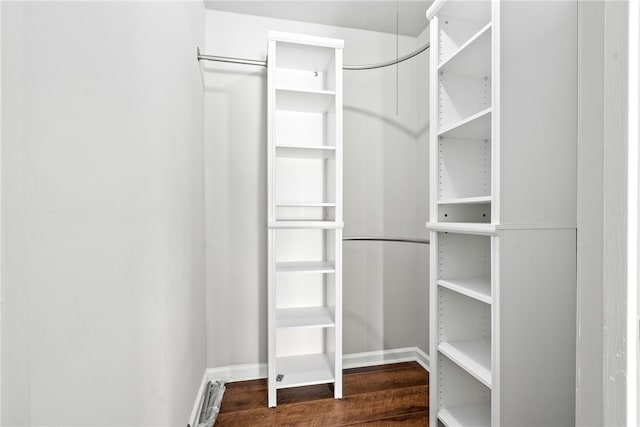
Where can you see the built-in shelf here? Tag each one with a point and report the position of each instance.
(306, 224)
(476, 287)
(305, 52)
(295, 204)
(309, 369)
(466, 201)
(307, 101)
(305, 152)
(305, 215)
(472, 356)
(305, 267)
(463, 227)
(473, 57)
(304, 317)
(466, 416)
(476, 126)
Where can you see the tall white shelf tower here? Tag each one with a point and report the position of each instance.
(304, 212)
(502, 212)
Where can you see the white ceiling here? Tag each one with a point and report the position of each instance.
(375, 15)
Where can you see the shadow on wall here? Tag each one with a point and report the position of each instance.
(235, 199)
(383, 119)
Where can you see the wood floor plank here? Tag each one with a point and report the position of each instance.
(415, 419)
(374, 396)
(375, 381)
(330, 412)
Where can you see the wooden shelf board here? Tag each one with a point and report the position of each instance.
(305, 152)
(473, 57)
(295, 204)
(472, 356)
(305, 267)
(304, 370)
(466, 201)
(304, 317)
(476, 287)
(306, 224)
(476, 126)
(466, 416)
(307, 101)
(463, 227)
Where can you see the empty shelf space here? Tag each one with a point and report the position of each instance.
(304, 370)
(305, 267)
(477, 126)
(462, 227)
(466, 201)
(473, 57)
(305, 152)
(304, 317)
(472, 356)
(306, 224)
(312, 101)
(305, 52)
(468, 415)
(477, 287)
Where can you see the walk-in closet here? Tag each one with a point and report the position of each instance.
(319, 213)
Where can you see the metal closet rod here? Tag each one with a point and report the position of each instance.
(260, 63)
(386, 239)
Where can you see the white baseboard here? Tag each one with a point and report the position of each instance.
(255, 371)
(384, 357)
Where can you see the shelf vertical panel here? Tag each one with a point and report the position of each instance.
(537, 326)
(271, 255)
(434, 129)
(538, 116)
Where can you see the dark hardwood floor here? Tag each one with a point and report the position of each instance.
(385, 395)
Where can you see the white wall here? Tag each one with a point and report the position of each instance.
(385, 285)
(102, 210)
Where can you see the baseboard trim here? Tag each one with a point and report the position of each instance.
(255, 371)
(384, 357)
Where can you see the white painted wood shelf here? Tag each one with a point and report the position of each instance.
(295, 204)
(304, 212)
(475, 287)
(305, 267)
(304, 317)
(476, 126)
(304, 101)
(462, 227)
(305, 152)
(472, 356)
(466, 201)
(473, 57)
(305, 370)
(466, 416)
(303, 223)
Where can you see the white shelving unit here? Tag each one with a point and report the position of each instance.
(304, 212)
(502, 213)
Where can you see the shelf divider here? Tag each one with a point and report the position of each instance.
(306, 101)
(463, 227)
(304, 317)
(482, 36)
(308, 369)
(472, 356)
(468, 415)
(466, 201)
(476, 126)
(478, 288)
